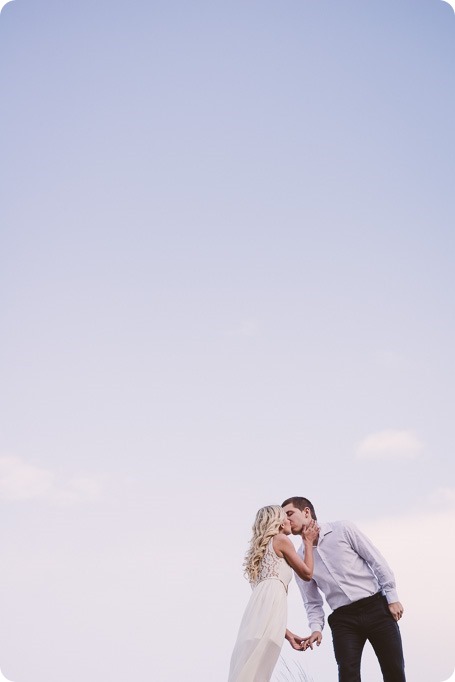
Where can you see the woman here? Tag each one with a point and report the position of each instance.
(268, 567)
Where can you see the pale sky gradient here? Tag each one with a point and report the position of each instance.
(227, 273)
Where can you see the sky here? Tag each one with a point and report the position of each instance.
(226, 278)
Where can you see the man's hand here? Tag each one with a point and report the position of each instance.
(314, 638)
(396, 609)
(294, 640)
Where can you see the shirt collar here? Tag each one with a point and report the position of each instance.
(324, 529)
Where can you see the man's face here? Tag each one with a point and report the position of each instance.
(298, 519)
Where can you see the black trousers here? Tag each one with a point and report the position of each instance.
(354, 624)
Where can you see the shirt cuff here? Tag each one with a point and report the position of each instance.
(392, 596)
(316, 627)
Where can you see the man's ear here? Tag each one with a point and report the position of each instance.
(307, 512)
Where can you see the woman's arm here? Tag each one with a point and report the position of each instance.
(304, 569)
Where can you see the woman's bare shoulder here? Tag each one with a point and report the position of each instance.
(281, 542)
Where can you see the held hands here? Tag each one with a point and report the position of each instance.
(304, 643)
(310, 533)
(396, 609)
(314, 638)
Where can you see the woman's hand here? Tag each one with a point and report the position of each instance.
(294, 640)
(310, 533)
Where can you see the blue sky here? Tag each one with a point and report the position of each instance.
(226, 278)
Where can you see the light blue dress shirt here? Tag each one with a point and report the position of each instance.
(347, 567)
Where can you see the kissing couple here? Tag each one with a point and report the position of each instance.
(336, 561)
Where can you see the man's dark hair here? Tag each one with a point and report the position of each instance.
(300, 503)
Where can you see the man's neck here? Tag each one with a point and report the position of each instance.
(315, 542)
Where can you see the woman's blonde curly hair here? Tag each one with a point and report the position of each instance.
(267, 524)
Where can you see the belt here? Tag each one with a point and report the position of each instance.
(360, 604)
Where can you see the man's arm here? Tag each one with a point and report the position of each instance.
(313, 603)
(384, 574)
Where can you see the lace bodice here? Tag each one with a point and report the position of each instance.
(273, 566)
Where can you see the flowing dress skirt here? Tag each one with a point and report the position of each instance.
(261, 633)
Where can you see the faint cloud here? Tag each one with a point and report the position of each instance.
(21, 481)
(400, 536)
(402, 539)
(247, 328)
(390, 444)
(443, 497)
(82, 489)
(392, 360)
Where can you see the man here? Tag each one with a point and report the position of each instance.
(360, 589)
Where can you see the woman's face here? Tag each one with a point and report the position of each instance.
(286, 526)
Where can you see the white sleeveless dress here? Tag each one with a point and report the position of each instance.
(263, 626)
